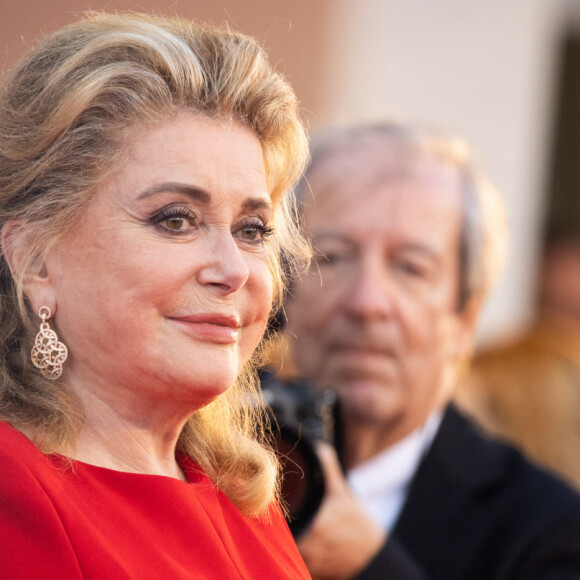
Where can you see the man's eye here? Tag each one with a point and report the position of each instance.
(411, 269)
(329, 258)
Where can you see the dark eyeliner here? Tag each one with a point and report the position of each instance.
(173, 211)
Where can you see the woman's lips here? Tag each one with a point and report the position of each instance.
(213, 327)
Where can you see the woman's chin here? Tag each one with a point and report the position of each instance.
(204, 390)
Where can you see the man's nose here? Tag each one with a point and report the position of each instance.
(224, 265)
(372, 292)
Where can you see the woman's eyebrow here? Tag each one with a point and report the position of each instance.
(190, 191)
(198, 194)
(255, 203)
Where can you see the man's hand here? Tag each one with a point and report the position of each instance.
(342, 539)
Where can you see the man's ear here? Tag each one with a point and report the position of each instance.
(467, 321)
(27, 269)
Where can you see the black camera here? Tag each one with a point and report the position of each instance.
(299, 417)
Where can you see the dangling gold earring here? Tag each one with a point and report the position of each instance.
(48, 354)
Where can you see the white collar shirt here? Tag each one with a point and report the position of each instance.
(381, 484)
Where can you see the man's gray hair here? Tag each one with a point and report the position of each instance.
(483, 234)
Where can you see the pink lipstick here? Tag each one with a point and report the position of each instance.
(210, 327)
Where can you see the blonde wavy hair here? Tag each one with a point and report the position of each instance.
(67, 113)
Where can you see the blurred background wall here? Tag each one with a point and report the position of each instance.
(491, 70)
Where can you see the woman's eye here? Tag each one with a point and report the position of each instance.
(254, 232)
(177, 223)
(251, 233)
(175, 220)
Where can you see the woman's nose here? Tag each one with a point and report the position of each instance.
(224, 265)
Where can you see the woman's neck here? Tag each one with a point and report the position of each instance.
(127, 449)
(127, 438)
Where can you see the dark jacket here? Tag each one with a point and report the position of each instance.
(477, 510)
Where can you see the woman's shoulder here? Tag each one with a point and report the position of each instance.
(39, 545)
(26, 477)
(18, 454)
(14, 440)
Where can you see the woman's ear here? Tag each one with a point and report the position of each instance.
(29, 269)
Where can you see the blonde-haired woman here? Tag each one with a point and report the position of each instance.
(145, 165)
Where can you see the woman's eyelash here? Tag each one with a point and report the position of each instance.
(174, 211)
(263, 229)
(180, 219)
(175, 219)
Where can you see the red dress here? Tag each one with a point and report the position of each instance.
(58, 521)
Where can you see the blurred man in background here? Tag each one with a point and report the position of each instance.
(408, 239)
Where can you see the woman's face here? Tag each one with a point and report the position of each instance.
(163, 290)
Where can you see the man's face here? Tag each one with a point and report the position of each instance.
(376, 318)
